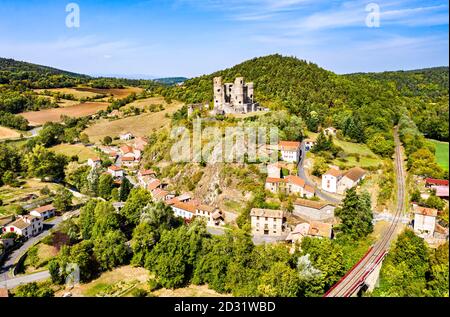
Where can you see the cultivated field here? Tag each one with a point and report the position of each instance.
(7, 133)
(442, 155)
(141, 125)
(79, 150)
(37, 118)
(142, 103)
(87, 92)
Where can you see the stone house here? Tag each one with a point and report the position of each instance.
(290, 151)
(267, 222)
(314, 210)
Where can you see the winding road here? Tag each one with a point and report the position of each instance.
(356, 277)
(302, 174)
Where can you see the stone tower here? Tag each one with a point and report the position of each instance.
(250, 93)
(219, 93)
(238, 101)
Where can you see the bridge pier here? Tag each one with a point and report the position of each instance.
(373, 279)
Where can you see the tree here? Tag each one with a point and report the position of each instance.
(106, 219)
(280, 281)
(84, 138)
(93, 179)
(107, 140)
(320, 167)
(110, 249)
(87, 219)
(174, 256)
(105, 185)
(33, 290)
(144, 238)
(43, 163)
(63, 199)
(137, 200)
(9, 178)
(125, 188)
(355, 214)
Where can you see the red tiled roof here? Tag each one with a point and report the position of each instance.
(321, 229)
(334, 172)
(309, 189)
(128, 159)
(185, 206)
(44, 208)
(153, 184)
(434, 181)
(147, 172)
(115, 168)
(95, 159)
(295, 180)
(289, 145)
(275, 180)
(126, 149)
(425, 211)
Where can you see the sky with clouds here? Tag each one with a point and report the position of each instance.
(194, 37)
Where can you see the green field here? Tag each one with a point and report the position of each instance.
(441, 153)
(79, 150)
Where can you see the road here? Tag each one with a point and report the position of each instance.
(355, 278)
(302, 174)
(12, 257)
(25, 279)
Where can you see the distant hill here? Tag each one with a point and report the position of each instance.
(170, 80)
(11, 65)
(432, 82)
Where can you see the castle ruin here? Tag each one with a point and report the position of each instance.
(234, 97)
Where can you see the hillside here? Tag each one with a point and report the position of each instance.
(11, 65)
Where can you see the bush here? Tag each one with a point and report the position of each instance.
(139, 292)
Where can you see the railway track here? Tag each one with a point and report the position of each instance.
(356, 277)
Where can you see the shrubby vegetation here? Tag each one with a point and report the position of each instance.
(412, 269)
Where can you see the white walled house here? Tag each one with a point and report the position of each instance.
(267, 222)
(94, 161)
(212, 215)
(184, 210)
(27, 226)
(330, 131)
(309, 143)
(290, 151)
(126, 136)
(115, 171)
(330, 180)
(44, 212)
(425, 220)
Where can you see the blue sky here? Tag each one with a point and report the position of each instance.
(194, 37)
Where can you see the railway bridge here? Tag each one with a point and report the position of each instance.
(364, 274)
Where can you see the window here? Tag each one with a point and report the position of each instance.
(267, 219)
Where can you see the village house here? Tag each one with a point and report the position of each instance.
(184, 210)
(330, 131)
(424, 220)
(429, 182)
(126, 136)
(267, 222)
(441, 191)
(318, 229)
(290, 151)
(309, 143)
(144, 176)
(94, 161)
(350, 179)
(335, 181)
(314, 229)
(161, 194)
(26, 226)
(44, 212)
(213, 215)
(290, 185)
(274, 170)
(314, 210)
(115, 171)
(330, 180)
(140, 143)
